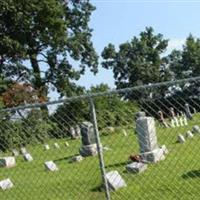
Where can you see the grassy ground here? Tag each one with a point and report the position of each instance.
(177, 177)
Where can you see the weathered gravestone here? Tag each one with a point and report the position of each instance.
(56, 145)
(89, 147)
(23, 150)
(28, 157)
(189, 134)
(196, 129)
(6, 184)
(115, 181)
(72, 132)
(15, 152)
(146, 132)
(66, 144)
(180, 138)
(78, 158)
(46, 147)
(162, 119)
(187, 111)
(77, 131)
(7, 162)
(136, 167)
(51, 166)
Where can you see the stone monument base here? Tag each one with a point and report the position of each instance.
(88, 150)
(154, 156)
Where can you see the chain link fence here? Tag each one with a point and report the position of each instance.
(133, 143)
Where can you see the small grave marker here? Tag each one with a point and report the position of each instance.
(7, 162)
(51, 166)
(115, 181)
(6, 184)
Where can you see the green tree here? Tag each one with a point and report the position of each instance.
(43, 41)
(186, 63)
(139, 61)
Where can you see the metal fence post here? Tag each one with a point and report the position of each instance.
(99, 149)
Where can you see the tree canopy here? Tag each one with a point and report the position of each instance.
(139, 61)
(46, 43)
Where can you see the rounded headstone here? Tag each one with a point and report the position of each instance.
(140, 114)
(196, 129)
(189, 134)
(181, 138)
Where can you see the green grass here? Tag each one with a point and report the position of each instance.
(177, 177)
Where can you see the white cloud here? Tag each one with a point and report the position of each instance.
(176, 43)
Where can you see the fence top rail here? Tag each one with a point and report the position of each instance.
(109, 92)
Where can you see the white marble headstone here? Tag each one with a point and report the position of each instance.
(66, 144)
(56, 145)
(185, 120)
(28, 157)
(115, 181)
(189, 134)
(124, 132)
(46, 147)
(136, 167)
(78, 158)
(181, 138)
(181, 121)
(7, 162)
(176, 121)
(15, 152)
(172, 123)
(23, 150)
(51, 166)
(6, 184)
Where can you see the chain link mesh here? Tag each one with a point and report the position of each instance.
(55, 132)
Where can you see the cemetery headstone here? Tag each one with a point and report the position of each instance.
(173, 123)
(176, 122)
(77, 158)
(23, 150)
(181, 138)
(181, 121)
(51, 166)
(46, 147)
(147, 138)
(7, 162)
(196, 129)
(136, 167)
(162, 120)
(15, 152)
(56, 145)
(185, 120)
(28, 157)
(89, 147)
(115, 181)
(72, 133)
(6, 184)
(77, 131)
(172, 113)
(187, 111)
(140, 114)
(124, 132)
(66, 144)
(189, 134)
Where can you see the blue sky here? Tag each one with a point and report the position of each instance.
(117, 21)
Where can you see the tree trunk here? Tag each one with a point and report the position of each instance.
(39, 85)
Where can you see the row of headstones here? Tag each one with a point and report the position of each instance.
(88, 148)
(9, 162)
(177, 120)
(189, 134)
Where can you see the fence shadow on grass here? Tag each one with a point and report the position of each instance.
(191, 174)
